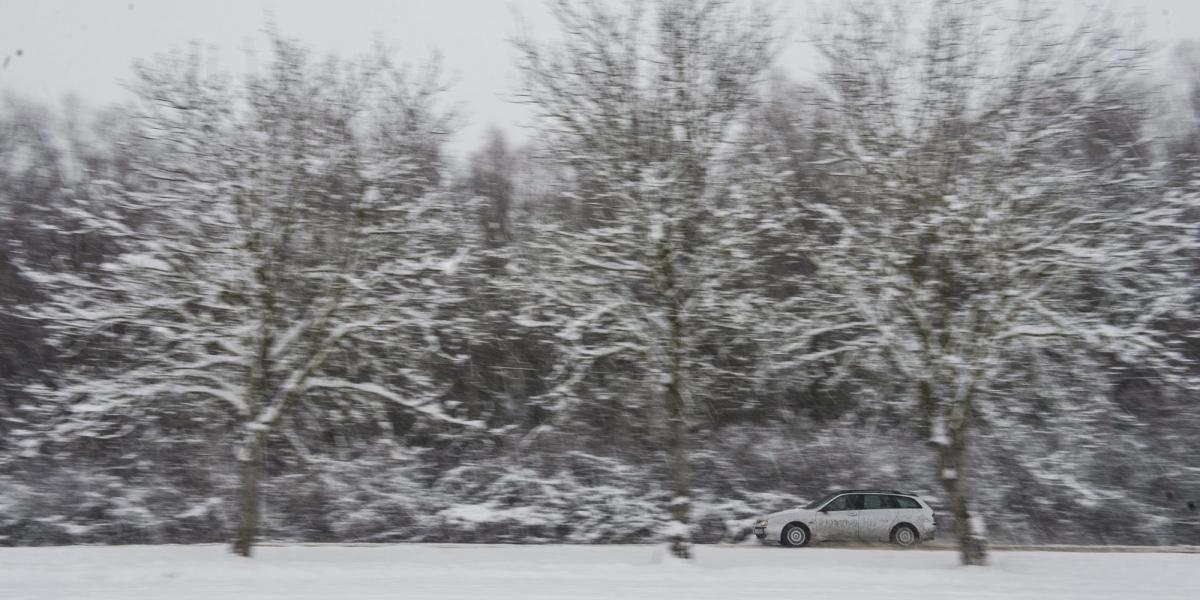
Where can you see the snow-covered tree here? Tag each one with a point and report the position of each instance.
(46, 162)
(1000, 252)
(637, 108)
(280, 229)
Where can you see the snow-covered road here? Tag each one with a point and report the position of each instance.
(451, 572)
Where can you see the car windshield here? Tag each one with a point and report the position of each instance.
(816, 503)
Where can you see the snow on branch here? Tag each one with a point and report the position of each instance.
(423, 409)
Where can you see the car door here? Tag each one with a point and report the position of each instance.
(839, 518)
(856, 518)
(830, 520)
(877, 517)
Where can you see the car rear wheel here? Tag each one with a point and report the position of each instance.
(905, 536)
(794, 536)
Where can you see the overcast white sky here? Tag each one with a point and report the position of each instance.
(85, 47)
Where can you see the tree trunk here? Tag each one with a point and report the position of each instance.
(969, 528)
(677, 450)
(681, 503)
(250, 454)
(249, 471)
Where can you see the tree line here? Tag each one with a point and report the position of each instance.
(964, 252)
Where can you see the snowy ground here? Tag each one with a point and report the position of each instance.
(449, 572)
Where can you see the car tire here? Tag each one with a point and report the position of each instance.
(794, 536)
(905, 536)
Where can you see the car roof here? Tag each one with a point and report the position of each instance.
(874, 491)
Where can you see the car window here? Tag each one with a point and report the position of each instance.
(873, 502)
(891, 502)
(819, 502)
(838, 503)
(907, 502)
(854, 502)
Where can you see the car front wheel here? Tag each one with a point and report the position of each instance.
(794, 536)
(905, 536)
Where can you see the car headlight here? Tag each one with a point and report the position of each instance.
(761, 523)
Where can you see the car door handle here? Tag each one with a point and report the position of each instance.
(853, 513)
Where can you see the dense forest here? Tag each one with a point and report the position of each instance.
(959, 260)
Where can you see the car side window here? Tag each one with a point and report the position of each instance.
(854, 502)
(907, 502)
(873, 502)
(838, 503)
(891, 502)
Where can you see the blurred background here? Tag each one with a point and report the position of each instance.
(585, 271)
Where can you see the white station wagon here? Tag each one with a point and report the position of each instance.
(852, 515)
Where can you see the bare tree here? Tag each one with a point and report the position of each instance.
(983, 233)
(637, 110)
(274, 227)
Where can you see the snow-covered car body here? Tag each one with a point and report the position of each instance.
(851, 515)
